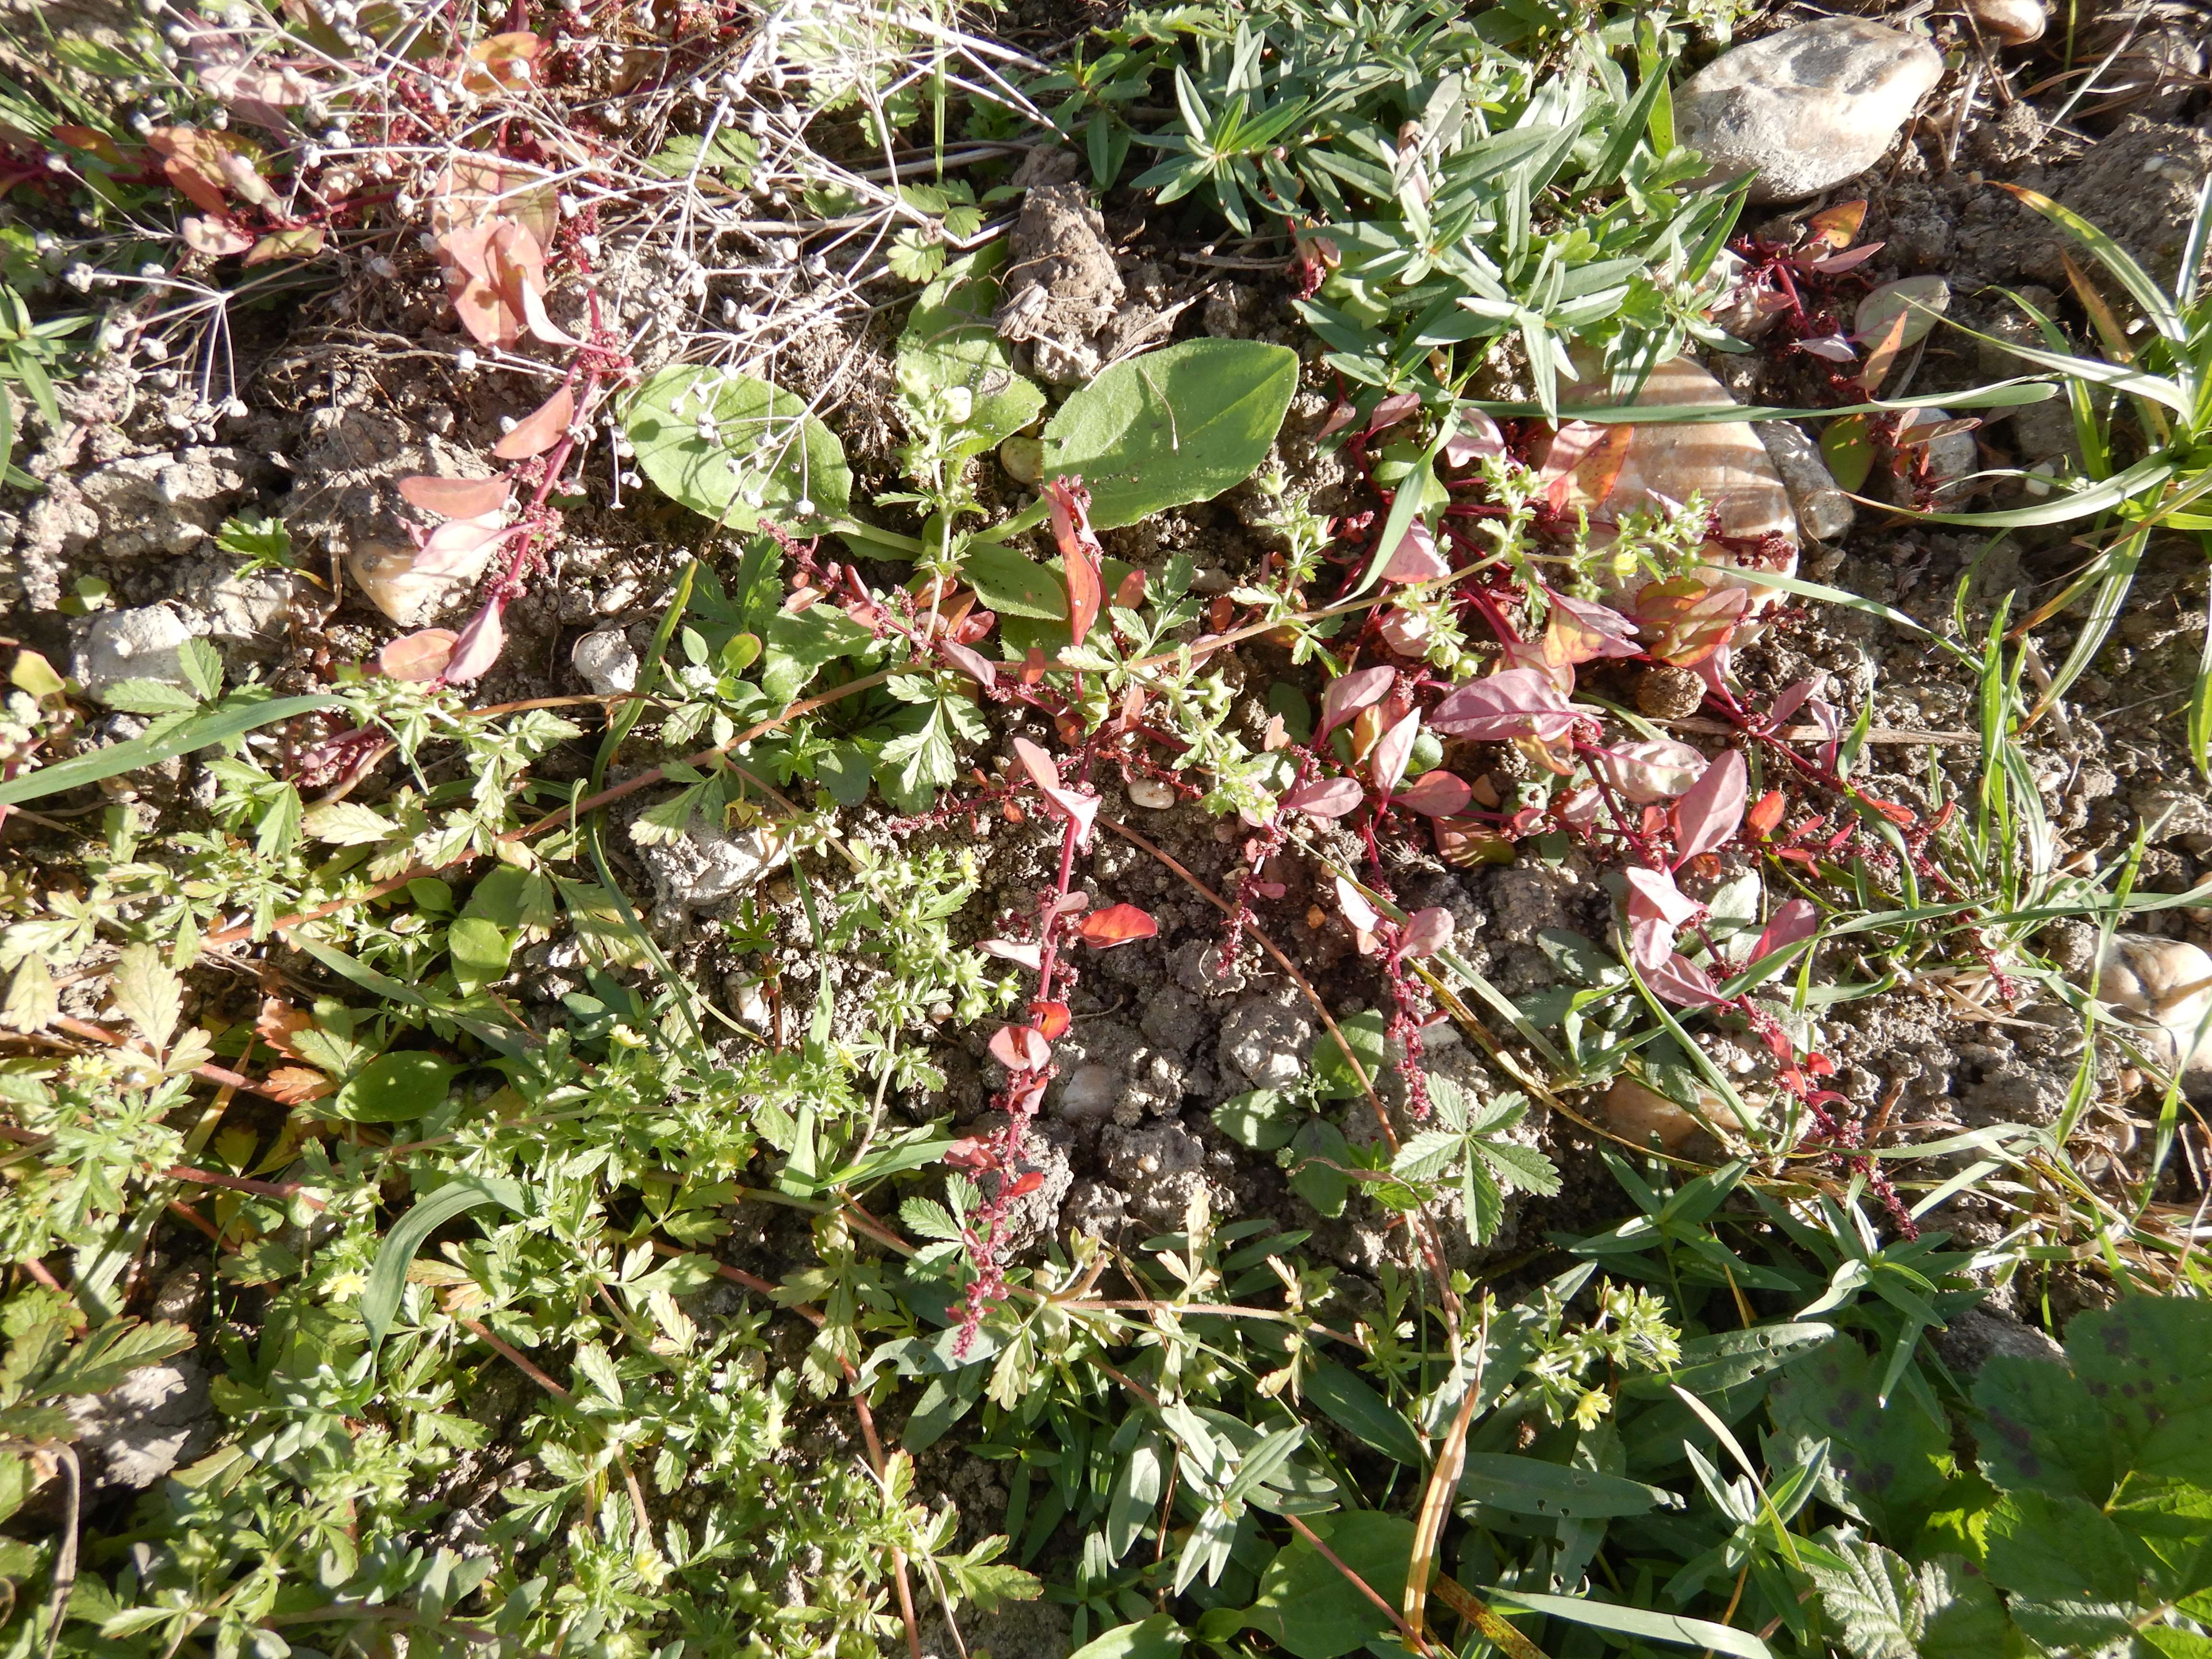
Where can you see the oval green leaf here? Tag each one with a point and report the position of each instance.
(766, 455)
(393, 1089)
(1157, 1638)
(1177, 425)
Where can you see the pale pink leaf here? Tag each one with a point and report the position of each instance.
(1078, 810)
(1428, 933)
(1416, 558)
(1339, 418)
(1393, 750)
(539, 430)
(1326, 797)
(1580, 808)
(1478, 439)
(1709, 815)
(1649, 771)
(1788, 701)
(418, 656)
(1615, 633)
(1356, 908)
(1021, 1048)
(1348, 695)
(1029, 956)
(1682, 982)
(477, 648)
(1438, 794)
(1038, 764)
(456, 498)
(1651, 941)
(1830, 348)
(1653, 893)
(1797, 920)
(543, 327)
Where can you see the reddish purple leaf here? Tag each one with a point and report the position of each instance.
(1788, 701)
(1392, 409)
(1326, 797)
(1428, 933)
(1393, 750)
(1653, 893)
(1797, 920)
(1339, 418)
(1038, 764)
(972, 663)
(1709, 814)
(1682, 982)
(1438, 794)
(1520, 703)
(478, 647)
(1650, 942)
(1346, 696)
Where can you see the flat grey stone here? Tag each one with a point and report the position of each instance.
(1807, 107)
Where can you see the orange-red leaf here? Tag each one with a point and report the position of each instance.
(1766, 815)
(1080, 555)
(275, 1023)
(1049, 1018)
(1117, 923)
(295, 1084)
(540, 430)
(1021, 1048)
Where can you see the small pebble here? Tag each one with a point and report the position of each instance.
(2014, 22)
(2167, 983)
(1023, 460)
(1638, 1114)
(1151, 795)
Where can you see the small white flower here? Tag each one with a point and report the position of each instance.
(630, 480)
(570, 207)
(803, 507)
(505, 424)
(466, 360)
(153, 268)
(959, 403)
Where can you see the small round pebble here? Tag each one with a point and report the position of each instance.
(1151, 795)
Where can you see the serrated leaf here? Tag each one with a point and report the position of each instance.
(33, 998)
(1426, 1155)
(345, 823)
(149, 994)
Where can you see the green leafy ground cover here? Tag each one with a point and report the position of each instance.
(493, 1370)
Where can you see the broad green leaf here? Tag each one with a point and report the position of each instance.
(1529, 1485)
(2071, 1574)
(1711, 1364)
(1013, 583)
(1364, 1032)
(1309, 1608)
(800, 642)
(1889, 1465)
(1172, 426)
(1320, 1155)
(2148, 1361)
(951, 342)
(379, 1298)
(149, 994)
(1350, 1402)
(2041, 1430)
(1888, 1608)
(394, 1088)
(1157, 1638)
(737, 449)
(480, 951)
(1262, 1119)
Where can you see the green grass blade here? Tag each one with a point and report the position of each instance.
(2119, 575)
(2146, 293)
(218, 726)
